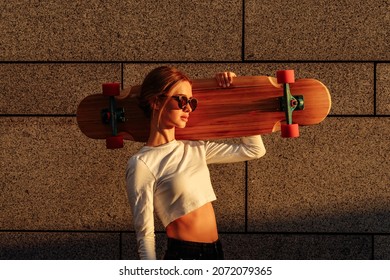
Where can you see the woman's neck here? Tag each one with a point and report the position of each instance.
(158, 136)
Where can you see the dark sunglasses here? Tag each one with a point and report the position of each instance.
(183, 100)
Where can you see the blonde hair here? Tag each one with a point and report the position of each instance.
(160, 81)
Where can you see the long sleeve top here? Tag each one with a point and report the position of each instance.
(173, 179)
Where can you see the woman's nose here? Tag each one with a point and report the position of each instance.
(188, 108)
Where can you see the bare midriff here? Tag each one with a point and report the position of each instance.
(198, 226)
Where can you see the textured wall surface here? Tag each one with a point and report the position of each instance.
(325, 195)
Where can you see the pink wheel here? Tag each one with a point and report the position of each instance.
(290, 130)
(114, 142)
(285, 76)
(111, 89)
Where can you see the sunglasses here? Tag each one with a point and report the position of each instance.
(183, 100)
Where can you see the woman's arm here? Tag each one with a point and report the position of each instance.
(250, 148)
(140, 186)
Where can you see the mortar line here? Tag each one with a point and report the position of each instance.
(120, 246)
(122, 76)
(243, 32)
(38, 115)
(305, 233)
(246, 197)
(193, 61)
(375, 89)
(222, 232)
(74, 115)
(358, 116)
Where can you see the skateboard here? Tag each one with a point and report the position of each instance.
(252, 105)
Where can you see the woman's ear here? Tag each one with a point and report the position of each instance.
(155, 104)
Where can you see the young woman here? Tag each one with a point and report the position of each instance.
(171, 178)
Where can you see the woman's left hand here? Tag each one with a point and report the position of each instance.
(225, 79)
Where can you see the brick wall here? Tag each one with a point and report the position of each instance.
(325, 195)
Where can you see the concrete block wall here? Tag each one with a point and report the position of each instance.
(325, 195)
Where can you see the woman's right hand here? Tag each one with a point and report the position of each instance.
(225, 79)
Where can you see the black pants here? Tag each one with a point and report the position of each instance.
(187, 250)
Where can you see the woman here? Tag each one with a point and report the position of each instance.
(171, 177)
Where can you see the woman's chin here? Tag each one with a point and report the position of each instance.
(181, 125)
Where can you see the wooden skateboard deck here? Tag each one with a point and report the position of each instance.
(250, 106)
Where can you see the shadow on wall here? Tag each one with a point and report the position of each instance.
(59, 246)
(348, 236)
(344, 236)
(364, 222)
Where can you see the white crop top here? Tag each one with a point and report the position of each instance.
(173, 179)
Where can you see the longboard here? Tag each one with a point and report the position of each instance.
(252, 105)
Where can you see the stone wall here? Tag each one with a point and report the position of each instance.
(325, 195)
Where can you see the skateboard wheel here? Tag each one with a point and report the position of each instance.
(111, 89)
(114, 142)
(285, 76)
(290, 130)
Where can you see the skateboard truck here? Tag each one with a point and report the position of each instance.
(113, 115)
(289, 103)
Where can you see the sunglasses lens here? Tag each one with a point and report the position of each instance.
(183, 101)
(193, 104)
